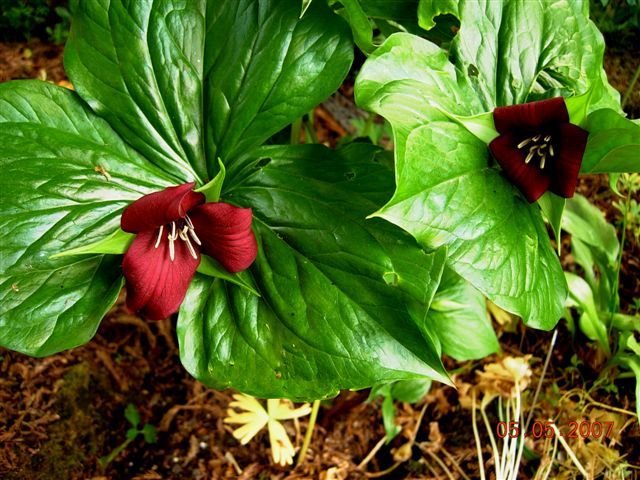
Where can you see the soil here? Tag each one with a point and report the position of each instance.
(59, 415)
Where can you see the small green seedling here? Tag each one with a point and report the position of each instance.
(148, 431)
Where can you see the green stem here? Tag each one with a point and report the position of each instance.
(616, 282)
(309, 433)
(308, 126)
(627, 94)
(295, 131)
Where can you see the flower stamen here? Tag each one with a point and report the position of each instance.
(159, 236)
(538, 148)
(185, 238)
(172, 238)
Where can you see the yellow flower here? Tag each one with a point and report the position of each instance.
(253, 418)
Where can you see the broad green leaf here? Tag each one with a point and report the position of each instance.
(448, 195)
(343, 299)
(517, 50)
(497, 58)
(66, 176)
(459, 316)
(265, 67)
(613, 145)
(581, 297)
(186, 83)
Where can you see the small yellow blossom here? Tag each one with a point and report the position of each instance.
(253, 418)
(506, 378)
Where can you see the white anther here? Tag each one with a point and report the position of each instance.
(172, 251)
(524, 143)
(159, 236)
(192, 232)
(542, 161)
(536, 138)
(185, 238)
(547, 138)
(551, 150)
(532, 152)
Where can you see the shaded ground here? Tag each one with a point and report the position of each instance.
(58, 415)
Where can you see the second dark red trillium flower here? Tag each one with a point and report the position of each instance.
(173, 228)
(538, 149)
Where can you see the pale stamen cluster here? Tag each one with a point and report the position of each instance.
(187, 230)
(540, 148)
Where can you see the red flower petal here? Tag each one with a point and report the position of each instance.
(156, 285)
(225, 232)
(571, 146)
(531, 116)
(160, 208)
(531, 181)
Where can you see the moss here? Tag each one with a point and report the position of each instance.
(76, 439)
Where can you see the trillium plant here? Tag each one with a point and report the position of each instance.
(294, 271)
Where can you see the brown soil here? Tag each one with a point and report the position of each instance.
(60, 414)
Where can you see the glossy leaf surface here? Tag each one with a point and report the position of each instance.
(66, 176)
(343, 299)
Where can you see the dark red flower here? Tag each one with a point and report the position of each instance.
(173, 226)
(538, 148)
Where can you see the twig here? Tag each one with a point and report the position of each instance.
(309, 433)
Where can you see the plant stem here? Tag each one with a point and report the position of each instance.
(632, 84)
(476, 435)
(309, 433)
(616, 282)
(295, 131)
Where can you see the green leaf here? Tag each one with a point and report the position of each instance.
(429, 9)
(459, 316)
(66, 176)
(186, 83)
(595, 247)
(516, 50)
(552, 207)
(115, 244)
(361, 27)
(389, 419)
(410, 391)
(581, 297)
(210, 267)
(613, 145)
(149, 433)
(343, 299)
(305, 6)
(441, 157)
(212, 189)
(132, 415)
(587, 223)
(512, 263)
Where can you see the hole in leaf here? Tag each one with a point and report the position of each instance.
(263, 162)
(472, 70)
(350, 175)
